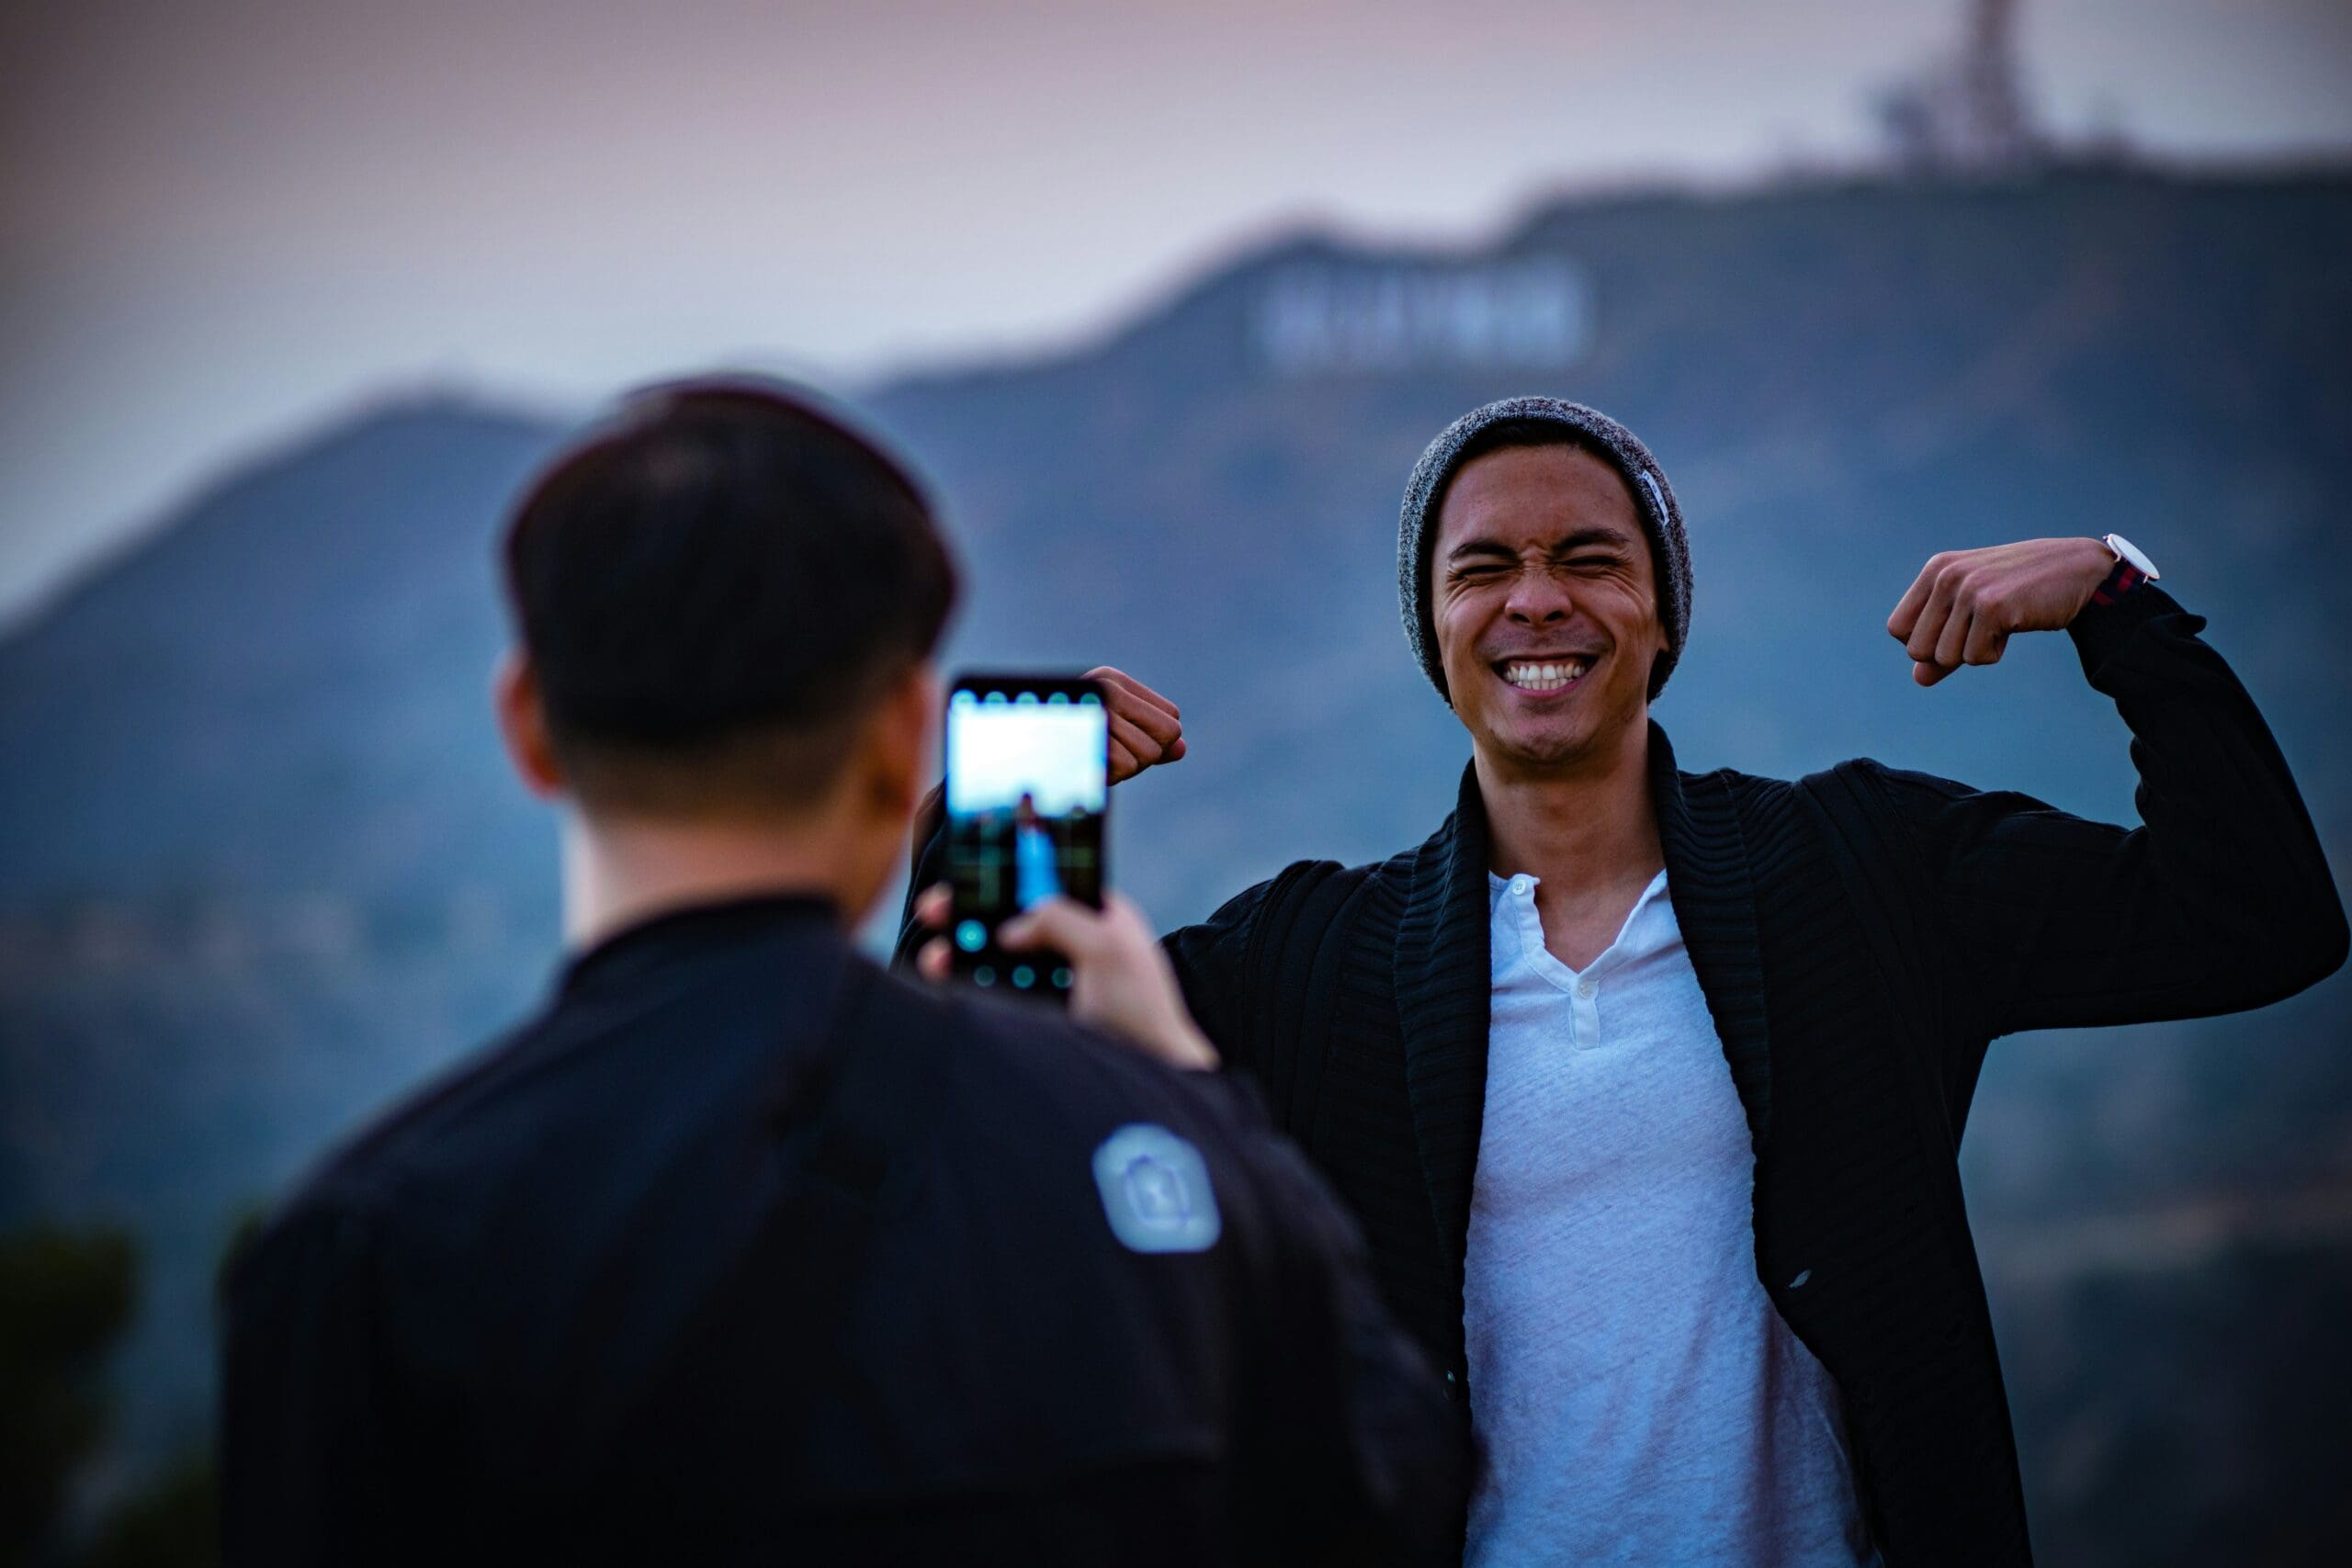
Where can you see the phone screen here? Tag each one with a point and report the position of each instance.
(1028, 778)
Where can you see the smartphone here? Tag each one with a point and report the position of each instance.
(1028, 781)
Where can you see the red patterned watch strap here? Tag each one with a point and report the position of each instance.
(2118, 581)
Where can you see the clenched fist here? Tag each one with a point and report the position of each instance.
(1146, 728)
(1964, 604)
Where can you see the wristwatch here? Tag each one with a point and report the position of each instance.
(2132, 566)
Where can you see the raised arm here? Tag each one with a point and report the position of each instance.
(2219, 901)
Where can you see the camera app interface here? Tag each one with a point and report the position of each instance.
(1027, 776)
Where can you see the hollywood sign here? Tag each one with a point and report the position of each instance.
(1528, 314)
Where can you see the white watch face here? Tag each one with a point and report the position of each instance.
(2132, 552)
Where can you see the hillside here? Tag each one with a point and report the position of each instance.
(260, 864)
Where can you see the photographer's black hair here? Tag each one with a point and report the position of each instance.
(712, 588)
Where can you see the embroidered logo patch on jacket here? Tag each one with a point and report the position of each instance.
(1156, 1191)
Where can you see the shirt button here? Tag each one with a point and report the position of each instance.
(1522, 883)
(1586, 987)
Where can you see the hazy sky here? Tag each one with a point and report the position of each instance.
(222, 221)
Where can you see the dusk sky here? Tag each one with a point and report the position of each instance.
(224, 221)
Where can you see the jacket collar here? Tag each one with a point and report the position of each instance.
(1444, 977)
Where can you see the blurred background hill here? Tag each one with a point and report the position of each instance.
(262, 866)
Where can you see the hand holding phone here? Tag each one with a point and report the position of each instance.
(1028, 781)
(1125, 984)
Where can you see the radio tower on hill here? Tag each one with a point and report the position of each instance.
(1966, 114)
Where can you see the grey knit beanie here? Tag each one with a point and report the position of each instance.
(1582, 427)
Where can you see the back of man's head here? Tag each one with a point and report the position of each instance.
(710, 590)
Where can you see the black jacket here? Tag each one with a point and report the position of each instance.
(1860, 934)
(746, 1250)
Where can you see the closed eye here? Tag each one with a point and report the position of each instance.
(1489, 568)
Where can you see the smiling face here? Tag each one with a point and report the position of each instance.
(1544, 600)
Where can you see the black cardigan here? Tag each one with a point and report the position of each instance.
(1860, 935)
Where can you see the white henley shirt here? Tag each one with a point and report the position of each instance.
(1639, 1397)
